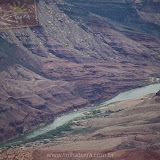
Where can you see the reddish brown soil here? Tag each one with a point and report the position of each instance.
(52, 69)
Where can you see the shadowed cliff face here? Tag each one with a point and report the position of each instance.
(82, 53)
(126, 15)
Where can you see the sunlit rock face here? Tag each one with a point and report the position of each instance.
(83, 52)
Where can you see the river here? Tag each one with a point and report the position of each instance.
(134, 93)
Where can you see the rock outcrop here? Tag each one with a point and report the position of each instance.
(76, 57)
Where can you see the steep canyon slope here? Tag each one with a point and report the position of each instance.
(83, 52)
(136, 126)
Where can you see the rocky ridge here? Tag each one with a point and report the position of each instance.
(75, 58)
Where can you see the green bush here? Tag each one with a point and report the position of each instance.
(96, 112)
(45, 142)
(65, 127)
